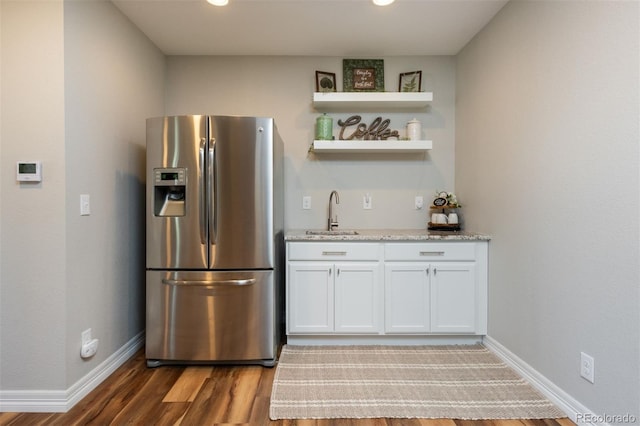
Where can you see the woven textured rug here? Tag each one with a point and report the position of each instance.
(457, 382)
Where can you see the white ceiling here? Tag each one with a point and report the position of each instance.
(354, 28)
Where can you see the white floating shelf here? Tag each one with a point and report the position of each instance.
(368, 100)
(387, 146)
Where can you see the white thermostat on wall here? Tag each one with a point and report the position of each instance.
(29, 171)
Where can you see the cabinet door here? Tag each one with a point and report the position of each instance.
(357, 297)
(453, 297)
(310, 297)
(406, 289)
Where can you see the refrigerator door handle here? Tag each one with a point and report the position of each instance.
(214, 283)
(211, 190)
(203, 192)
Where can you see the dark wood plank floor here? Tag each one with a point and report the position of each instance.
(199, 396)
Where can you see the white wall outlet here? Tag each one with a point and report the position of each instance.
(89, 349)
(587, 367)
(306, 202)
(89, 346)
(85, 205)
(419, 202)
(367, 202)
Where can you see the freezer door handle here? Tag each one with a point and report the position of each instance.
(212, 283)
(211, 190)
(203, 191)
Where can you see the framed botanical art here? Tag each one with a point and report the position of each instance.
(363, 75)
(325, 81)
(410, 81)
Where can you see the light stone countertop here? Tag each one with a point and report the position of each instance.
(388, 235)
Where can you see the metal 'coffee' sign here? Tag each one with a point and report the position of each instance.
(377, 130)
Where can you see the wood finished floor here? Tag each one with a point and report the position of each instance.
(201, 396)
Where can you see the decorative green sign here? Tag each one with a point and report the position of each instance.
(363, 75)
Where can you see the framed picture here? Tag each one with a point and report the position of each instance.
(410, 81)
(325, 81)
(363, 75)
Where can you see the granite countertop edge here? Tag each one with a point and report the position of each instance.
(388, 235)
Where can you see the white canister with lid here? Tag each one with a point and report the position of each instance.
(414, 130)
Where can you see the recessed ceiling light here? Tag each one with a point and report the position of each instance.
(383, 2)
(218, 2)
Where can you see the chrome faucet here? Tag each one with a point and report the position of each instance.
(331, 223)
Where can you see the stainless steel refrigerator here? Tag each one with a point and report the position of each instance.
(214, 240)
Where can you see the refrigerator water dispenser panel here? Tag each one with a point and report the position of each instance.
(169, 192)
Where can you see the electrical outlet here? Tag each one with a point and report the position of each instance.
(306, 202)
(89, 346)
(85, 205)
(587, 367)
(367, 202)
(419, 202)
(89, 349)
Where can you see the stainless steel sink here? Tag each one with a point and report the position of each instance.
(335, 232)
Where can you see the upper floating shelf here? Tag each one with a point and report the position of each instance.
(368, 100)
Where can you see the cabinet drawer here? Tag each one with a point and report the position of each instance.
(333, 251)
(429, 251)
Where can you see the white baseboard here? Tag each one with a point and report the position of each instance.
(328, 339)
(577, 412)
(62, 401)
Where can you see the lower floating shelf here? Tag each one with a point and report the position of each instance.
(336, 146)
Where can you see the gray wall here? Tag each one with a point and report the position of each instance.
(77, 101)
(537, 117)
(547, 163)
(114, 80)
(282, 87)
(32, 217)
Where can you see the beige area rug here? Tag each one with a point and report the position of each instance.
(457, 382)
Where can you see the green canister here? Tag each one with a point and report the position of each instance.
(324, 128)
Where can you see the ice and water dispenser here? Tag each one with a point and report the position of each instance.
(169, 193)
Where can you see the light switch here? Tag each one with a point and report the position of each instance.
(367, 202)
(85, 205)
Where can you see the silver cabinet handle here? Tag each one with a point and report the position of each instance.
(203, 192)
(211, 191)
(217, 283)
(334, 253)
(431, 253)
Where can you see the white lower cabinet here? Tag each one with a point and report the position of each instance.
(430, 297)
(310, 297)
(333, 297)
(357, 295)
(407, 298)
(454, 301)
(391, 288)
